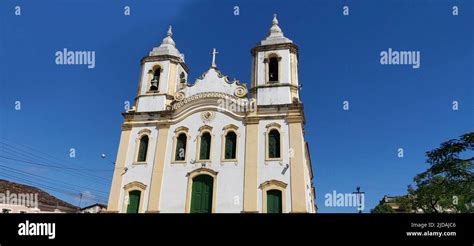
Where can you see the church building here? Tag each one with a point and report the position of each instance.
(215, 145)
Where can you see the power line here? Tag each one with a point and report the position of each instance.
(38, 151)
(70, 168)
(82, 173)
(44, 186)
(52, 181)
(79, 174)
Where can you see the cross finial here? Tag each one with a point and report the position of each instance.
(214, 53)
(170, 31)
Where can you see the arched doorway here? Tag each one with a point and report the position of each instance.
(201, 194)
(133, 201)
(274, 205)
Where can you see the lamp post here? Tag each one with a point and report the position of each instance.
(358, 194)
(104, 156)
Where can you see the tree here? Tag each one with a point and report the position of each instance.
(382, 209)
(448, 185)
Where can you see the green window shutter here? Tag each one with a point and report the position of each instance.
(201, 198)
(274, 144)
(143, 148)
(133, 201)
(181, 147)
(274, 201)
(230, 145)
(205, 150)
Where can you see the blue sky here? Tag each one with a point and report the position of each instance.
(391, 107)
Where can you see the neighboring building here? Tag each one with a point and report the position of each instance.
(215, 146)
(94, 209)
(20, 198)
(392, 202)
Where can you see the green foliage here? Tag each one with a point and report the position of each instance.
(448, 185)
(382, 209)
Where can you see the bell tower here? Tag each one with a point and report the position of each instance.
(275, 69)
(163, 74)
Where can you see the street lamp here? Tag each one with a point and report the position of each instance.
(104, 156)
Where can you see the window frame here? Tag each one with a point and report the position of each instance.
(227, 129)
(141, 134)
(180, 130)
(267, 68)
(270, 127)
(202, 130)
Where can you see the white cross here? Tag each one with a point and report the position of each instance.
(214, 53)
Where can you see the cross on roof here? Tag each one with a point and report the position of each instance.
(214, 53)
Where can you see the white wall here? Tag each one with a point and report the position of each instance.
(284, 66)
(138, 172)
(272, 170)
(274, 95)
(151, 103)
(230, 175)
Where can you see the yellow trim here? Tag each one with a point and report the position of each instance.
(172, 78)
(298, 186)
(270, 127)
(202, 130)
(251, 168)
(141, 134)
(180, 130)
(227, 129)
(191, 175)
(131, 187)
(115, 188)
(273, 185)
(158, 166)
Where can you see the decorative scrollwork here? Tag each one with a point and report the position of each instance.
(179, 96)
(207, 116)
(240, 91)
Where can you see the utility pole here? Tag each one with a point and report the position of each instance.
(80, 199)
(358, 194)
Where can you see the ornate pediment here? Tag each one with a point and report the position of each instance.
(213, 81)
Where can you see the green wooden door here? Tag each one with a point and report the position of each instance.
(274, 201)
(133, 201)
(201, 198)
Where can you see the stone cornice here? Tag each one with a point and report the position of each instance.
(293, 87)
(165, 58)
(292, 47)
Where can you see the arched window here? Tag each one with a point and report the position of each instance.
(274, 144)
(133, 201)
(180, 153)
(230, 145)
(205, 148)
(142, 149)
(155, 82)
(273, 69)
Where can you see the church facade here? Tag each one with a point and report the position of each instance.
(215, 146)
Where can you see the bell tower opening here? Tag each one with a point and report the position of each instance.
(155, 82)
(273, 69)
